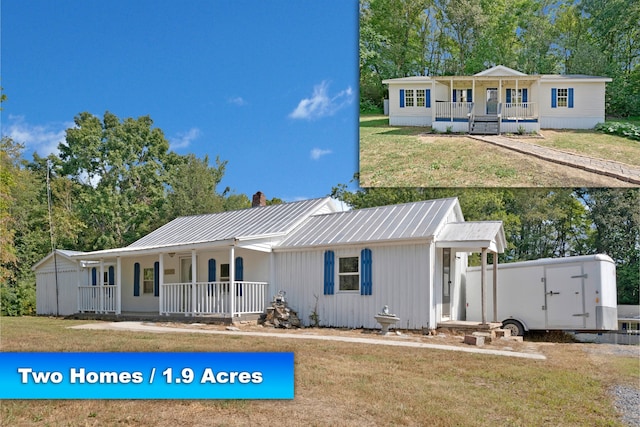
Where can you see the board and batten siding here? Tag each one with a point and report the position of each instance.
(408, 116)
(401, 275)
(68, 275)
(588, 105)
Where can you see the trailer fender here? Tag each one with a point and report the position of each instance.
(515, 325)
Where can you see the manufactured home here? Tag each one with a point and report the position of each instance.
(342, 267)
(497, 100)
(574, 293)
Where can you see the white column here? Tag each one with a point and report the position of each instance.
(232, 278)
(194, 274)
(160, 282)
(483, 284)
(78, 282)
(272, 277)
(451, 102)
(495, 286)
(518, 108)
(100, 285)
(433, 102)
(118, 285)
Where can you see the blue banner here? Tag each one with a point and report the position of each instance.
(146, 375)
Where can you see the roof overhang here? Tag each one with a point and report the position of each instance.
(473, 236)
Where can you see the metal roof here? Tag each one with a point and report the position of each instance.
(475, 234)
(255, 222)
(418, 220)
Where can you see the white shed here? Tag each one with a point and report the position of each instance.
(57, 277)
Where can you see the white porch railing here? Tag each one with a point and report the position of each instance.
(212, 298)
(453, 110)
(520, 110)
(97, 299)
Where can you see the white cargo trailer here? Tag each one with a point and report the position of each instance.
(573, 293)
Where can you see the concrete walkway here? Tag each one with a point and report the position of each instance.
(390, 340)
(609, 168)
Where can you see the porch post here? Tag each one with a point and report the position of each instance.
(118, 285)
(232, 278)
(194, 274)
(483, 284)
(79, 265)
(451, 102)
(100, 285)
(160, 282)
(495, 286)
(433, 102)
(518, 105)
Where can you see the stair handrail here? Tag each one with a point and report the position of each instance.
(470, 115)
(499, 116)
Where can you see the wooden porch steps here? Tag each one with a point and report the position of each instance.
(484, 125)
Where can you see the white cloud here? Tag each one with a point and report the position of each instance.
(43, 139)
(184, 139)
(238, 100)
(321, 104)
(316, 153)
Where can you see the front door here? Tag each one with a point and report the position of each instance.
(492, 101)
(185, 270)
(446, 283)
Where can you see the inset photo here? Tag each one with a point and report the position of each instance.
(489, 104)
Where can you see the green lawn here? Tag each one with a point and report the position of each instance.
(339, 383)
(393, 156)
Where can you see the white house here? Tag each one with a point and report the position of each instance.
(497, 100)
(342, 266)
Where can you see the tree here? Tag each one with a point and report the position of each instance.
(121, 170)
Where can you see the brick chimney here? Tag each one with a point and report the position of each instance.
(259, 199)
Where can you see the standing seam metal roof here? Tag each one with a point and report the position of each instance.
(250, 222)
(408, 221)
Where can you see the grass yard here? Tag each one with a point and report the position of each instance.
(403, 157)
(343, 384)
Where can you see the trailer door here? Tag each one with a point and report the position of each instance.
(564, 296)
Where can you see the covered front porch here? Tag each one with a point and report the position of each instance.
(222, 282)
(486, 103)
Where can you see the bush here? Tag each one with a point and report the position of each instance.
(18, 299)
(367, 106)
(626, 130)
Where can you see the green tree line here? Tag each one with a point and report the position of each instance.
(542, 223)
(400, 38)
(111, 182)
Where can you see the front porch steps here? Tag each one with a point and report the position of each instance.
(484, 125)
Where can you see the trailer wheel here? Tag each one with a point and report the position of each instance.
(514, 326)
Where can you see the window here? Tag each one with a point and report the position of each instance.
(349, 274)
(518, 97)
(408, 97)
(420, 97)
(563, 98)
(224, 272)
(147, 281)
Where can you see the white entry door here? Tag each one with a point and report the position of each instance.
(446, 283)
(492, 101)
(565, 297)
(185, 270)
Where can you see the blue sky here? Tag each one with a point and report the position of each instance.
(270, 86)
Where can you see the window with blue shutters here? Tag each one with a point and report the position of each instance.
(562, 97)
(111, 277)
(428, 96)
(401, 98)
(329, 272)
(212, 270)
(94, 276)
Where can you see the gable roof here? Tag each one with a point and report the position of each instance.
(418, 220)
(500, 70)
(63, 252)
(225, 227)
(473, 235)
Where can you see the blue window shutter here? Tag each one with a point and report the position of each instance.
(156, 279)
(554, 96)
(365, 273)
(239, 274)
(469, 95)
(329, 258)
(401, 98)
(112, 275)
(525, 93)
(136, 279)
(212, 270)
(94, 276)
(455, 96)
(508, 96)
(570, 97)
(428, 96)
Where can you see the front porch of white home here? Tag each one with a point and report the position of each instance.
(224, 283)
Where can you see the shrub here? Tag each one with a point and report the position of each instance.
(626, 130)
